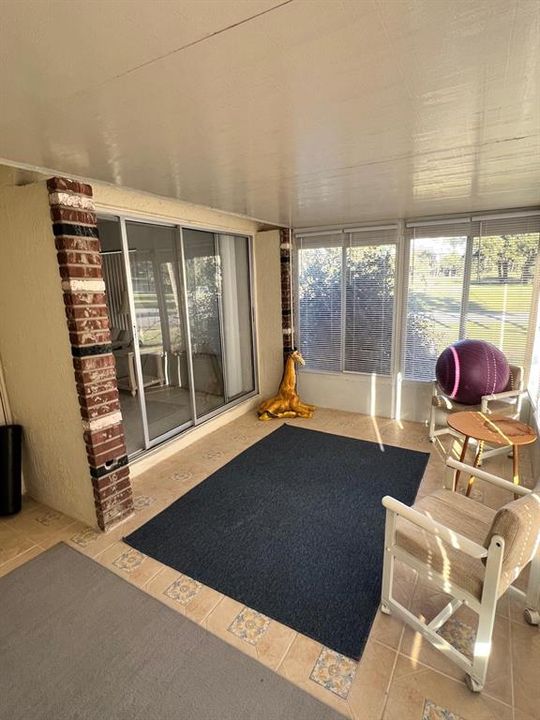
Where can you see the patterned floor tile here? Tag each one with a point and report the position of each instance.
(140, 502)
(334, 672)
(182, 475)
(436, 712)
(213, 454)
(129, 560)
(249, 625)
(47, 518)
(183, 590)
(85, 537)
(460, 635)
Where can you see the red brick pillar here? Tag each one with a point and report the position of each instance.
(78, 250)
(285, 246)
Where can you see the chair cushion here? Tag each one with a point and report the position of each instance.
(469, 518)
(518, 523)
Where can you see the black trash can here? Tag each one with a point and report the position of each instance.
(10, 469)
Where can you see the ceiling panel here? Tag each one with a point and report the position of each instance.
(312, 112)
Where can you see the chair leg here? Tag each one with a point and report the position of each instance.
(388, 562)
(432, 424)
(532, 601)
(482, 648)
(486, 617)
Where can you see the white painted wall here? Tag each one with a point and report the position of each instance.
(36, 355)
(366, 394)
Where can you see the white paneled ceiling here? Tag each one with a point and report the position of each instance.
(304, 112)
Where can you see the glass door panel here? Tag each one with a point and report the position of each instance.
(116, 288)
(236, 308)
(159, 317)
(202, 264)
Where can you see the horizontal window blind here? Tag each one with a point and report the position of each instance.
(370, 265)
(503, 266)
(469, 277)
(319, 300)
(435, 293)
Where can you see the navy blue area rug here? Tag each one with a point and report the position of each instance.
(293, 527)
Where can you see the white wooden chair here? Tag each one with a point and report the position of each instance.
(508, 403)
(470, 552)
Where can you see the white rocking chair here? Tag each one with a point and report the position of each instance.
(470, 552)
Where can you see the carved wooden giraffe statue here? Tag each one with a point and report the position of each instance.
(286, 404)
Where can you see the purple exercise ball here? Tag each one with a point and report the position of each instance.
(469, 369)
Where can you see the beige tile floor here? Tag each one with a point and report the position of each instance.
(400, 676)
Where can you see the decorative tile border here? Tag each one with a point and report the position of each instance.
(85, 537)
(432, 711)
(249, 625)
(182, 476)
(74, 226)
(459, 635)
(142, 501)
(335, 672)
(129, 560)
(183, 590)
(213, 454)
(48, 517)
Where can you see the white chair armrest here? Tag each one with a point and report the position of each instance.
(503, 395)
(506, 395)
(457, 541)
(488, 477)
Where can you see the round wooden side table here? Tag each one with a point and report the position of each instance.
(494, 430)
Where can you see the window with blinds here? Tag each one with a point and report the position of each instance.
(499, 303)
(370, 267)
(346, 300)
(470, 279)
(435, 295)
(319, 301)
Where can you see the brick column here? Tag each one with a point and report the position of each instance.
(286, 289)
(78, 251)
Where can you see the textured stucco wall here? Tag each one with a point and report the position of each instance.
(111, 198)
(36, 357)
(268, 305)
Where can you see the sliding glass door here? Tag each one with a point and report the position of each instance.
(203, 285)
(181, 319)
(159, 318)
(219, 311)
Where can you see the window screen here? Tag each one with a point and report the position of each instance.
(346, 300)
(434, 303)
(319, 301)
(504, 254)
(369, 304)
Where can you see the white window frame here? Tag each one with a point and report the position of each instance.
(346, 243)
(401, 289)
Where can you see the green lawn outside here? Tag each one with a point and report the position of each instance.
(496, 312)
